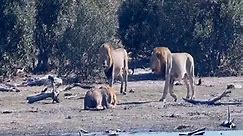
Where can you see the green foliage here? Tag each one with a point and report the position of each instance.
(209, 30)
(16, 34)
(64, 35)
(78, 48)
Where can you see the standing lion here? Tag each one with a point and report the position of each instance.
(115, 64)
(177, 67)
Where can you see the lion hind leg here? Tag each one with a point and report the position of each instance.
(122, 91)
(166, 87)
(114, 99)
(125, 78)
(192, 86)
(187, 86)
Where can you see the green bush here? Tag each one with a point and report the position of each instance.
(64, 35)
(209, 30)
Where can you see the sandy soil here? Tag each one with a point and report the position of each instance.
(138, 111)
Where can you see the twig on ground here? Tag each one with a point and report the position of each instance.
(43, 95)
(200, 131)
(213, 101)
(229, 122)
(8, 88)
(77, 85)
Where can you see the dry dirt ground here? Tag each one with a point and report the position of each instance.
(138, 111)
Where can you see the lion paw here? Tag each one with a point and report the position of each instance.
(100, 107)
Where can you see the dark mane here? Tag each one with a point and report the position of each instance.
(108, 72)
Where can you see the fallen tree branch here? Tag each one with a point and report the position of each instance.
(8, 88)
(42, 96)
(229, 122)
(77, 85)
(213, 101)
(195, 132)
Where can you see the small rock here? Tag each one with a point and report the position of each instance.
(7, 112)
(83, 131)
(112, 133)
(233, 86)
(209, 85)
(172, 115)
(182, 127)
(68, 117)
(199, 82)
(33, 110)
(228, 124)
(68, 94)
(131, 91)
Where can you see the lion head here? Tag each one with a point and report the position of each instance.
(105, 59)
(158, 60)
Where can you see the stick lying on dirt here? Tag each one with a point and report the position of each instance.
(43, 95)
(195, 132)
(41, 81)
(229, 122)
(213, 101)
(79, 85)
(8, 88)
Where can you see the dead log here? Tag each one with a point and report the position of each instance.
(212, 101)
(229, 122)
(8, 88)
(78, 85)
(195, 132)
(42, 96)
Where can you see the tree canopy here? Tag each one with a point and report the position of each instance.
(64, 35)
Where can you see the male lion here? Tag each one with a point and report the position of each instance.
(178, 66)
(157, 66)
(115, 64)
(100, 98)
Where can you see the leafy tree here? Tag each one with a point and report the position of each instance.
(206, 29)
(78, 49)
(16, 35)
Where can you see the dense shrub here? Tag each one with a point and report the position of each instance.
(64, 35)
(209, 30)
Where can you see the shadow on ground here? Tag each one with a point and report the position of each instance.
(141, 102)
(145, 76)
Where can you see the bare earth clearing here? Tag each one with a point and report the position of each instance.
(138, 111)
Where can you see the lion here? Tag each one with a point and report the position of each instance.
(100, 98)
(177, 67)
(156, 67)
(115, 64)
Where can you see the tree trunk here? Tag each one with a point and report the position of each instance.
(42, 65)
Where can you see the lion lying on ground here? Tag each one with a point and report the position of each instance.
(115, 64)
(100, 98)
(177, 67)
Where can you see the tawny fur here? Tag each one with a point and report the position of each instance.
(155, 64)
(178, 66)
(100, 98)
(115, 64)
